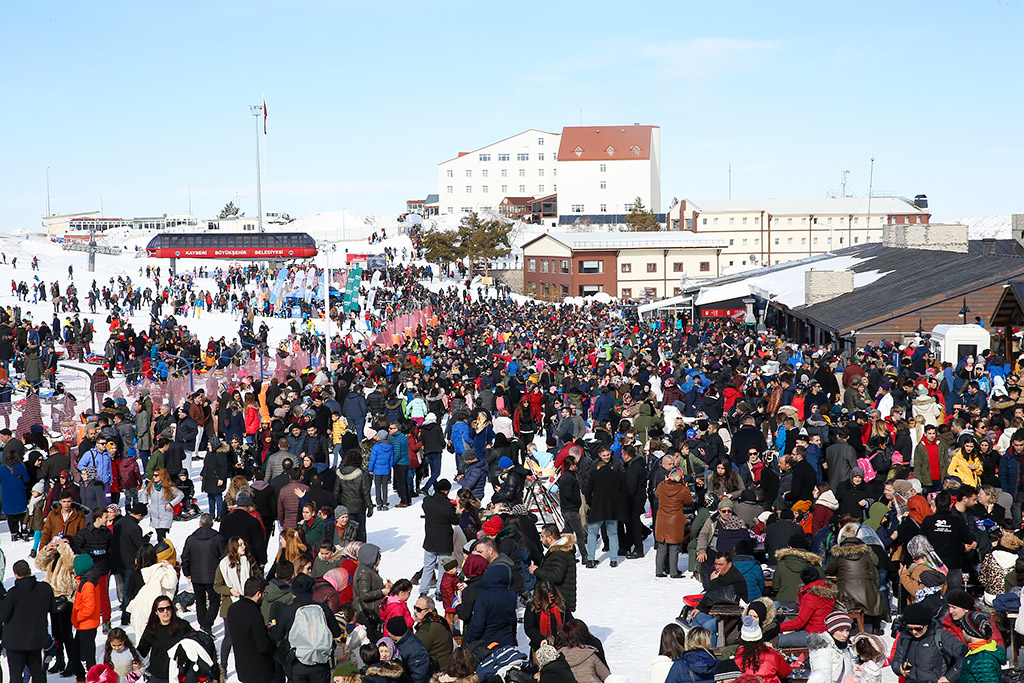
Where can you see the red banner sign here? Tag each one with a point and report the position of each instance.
(722, 312)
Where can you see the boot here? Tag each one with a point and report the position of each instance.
(58, 663)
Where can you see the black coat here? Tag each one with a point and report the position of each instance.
(203, 550)
(254, 650)
(97, 543)
(352, 488)
(25, 614)
(804, 479)
(559, 567)
(241, 523)
(605, 495)
(432, 438)
(512, 485)
(557, 671)
(636, 484)
(494, 612)
(215, 472)
(128, 539)
(438, 519)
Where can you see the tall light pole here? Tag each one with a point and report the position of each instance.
(190, 197)
(48, 214)
(327, 305)
(257, 112)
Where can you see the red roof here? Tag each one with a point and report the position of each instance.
(516, 201)
(603, 143)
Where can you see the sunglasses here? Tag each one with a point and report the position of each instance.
(726, 511)
(915, 629)
(163, 609)
(420, 609)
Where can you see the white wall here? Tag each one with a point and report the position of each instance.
(579, 183)
(538, 175)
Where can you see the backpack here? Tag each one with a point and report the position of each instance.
(310, 637)
(500, 661)
(128, 474)
(869, 469)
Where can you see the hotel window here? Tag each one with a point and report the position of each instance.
(803, 240)
(776, 240)
(757, 241)
(856, 240)
(677, 267)
(604, 167)
(565, 267)
(540, 141)
(627, 293)
(626, 267)
(451, 209)
(540, 172)
(732, 220)
(523, 156)
(484, 173)
(502, 157)
(533, 265)
(856, 220)
(544, 266)
(803, 221)
(604, 185)
(522, 188)
(744, 241)
(789, 221)
(705, 266)
(540, 157)
(540, 188)
(757, 220)
(469, 173)
(789, 240)
(715, 221)
(484, 189)
(450, 173)
(830, 220)
(504, 189)
(577, 208)
(677, 291)
(732, 242)
(744, 220)
(469, 189)
(522, 173)
(604, 208)
(504, 173)
(591, 290)
(652, 267)
(591, 267)
(485, 157)
(451, 189)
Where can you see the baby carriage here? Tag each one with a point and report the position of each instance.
(188, 508)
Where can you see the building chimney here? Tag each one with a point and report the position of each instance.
(931, 236)
(1017, 227)
(822, 285)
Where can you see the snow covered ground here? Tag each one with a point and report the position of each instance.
(626, 607)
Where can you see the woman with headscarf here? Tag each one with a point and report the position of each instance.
(911, 512)
(670, 524)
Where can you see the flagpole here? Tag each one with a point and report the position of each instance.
(257, 112)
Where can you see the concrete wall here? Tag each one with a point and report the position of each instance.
(512, 278)
(1017, 227)
(934, 236)
(822, 285)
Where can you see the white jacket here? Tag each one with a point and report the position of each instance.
(825, 656)
(658, 672)
(159, 579)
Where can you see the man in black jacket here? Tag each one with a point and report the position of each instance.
(513, 482)
(433, 445)
(726, 584)
(97, 541)
(804, 477)
(127, 539)
(254, 650)
(636, 496)
(439, 518)
(25, 615)
(199, 559)
(559, 564)
(240, 522)
(570, 499)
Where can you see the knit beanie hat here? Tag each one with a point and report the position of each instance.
(932, 578)
(916, 614)
(545, 655)
(857, 472)
(726, 670)
(449, 563)
(492, 526)
(751, 630)
(760, 609)
(82, 564)
(837, 621)
(961, 599)
(903, 487)
(977, 625)
(244, 498)
(505, 462)
(725, 503)
(397, 627)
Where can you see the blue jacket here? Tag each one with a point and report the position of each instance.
(13, 480)
(460, 436)
(101, 461)
(381, 458)
(400, 444)
(494, 612)
(415, 658)
(700, 663)
(476, 477)
(354, 409)
(603, 405)
(1009, 473)
(752, 572)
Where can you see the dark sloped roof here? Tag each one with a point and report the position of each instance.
(912, 278)
(996, 247)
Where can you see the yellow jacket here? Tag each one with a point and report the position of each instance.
(338, 428)
(959, 466)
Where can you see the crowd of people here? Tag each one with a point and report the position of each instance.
(825, 503)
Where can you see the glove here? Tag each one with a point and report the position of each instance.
(369, 512)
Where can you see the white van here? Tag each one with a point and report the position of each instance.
(950, 343)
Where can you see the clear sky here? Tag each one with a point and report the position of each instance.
(130, 101)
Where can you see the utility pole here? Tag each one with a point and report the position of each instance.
(190, 197)
(871, 181)
(257, 112)
(48, 214)
(327, 306)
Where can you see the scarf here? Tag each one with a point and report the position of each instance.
(919, 508)
(923, 593)
(545, 621)
(235, 577)
(732, 522)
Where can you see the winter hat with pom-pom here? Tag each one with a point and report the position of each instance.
(101, 673)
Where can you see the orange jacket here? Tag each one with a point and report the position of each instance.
(85, 613)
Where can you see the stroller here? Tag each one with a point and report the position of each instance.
(188, 508)
(193, 659)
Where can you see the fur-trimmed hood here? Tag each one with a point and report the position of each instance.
(807, 555)
(823, 589)
(769, 606)
(828, 499)
(850, 549)
(820, 641)
(566, 543)
(445, 678)
(390, 669)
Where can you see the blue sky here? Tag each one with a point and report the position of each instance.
(131, 101)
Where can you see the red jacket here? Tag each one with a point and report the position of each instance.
(773, 666)
(815, 601)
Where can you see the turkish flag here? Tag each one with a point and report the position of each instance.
(264, 115)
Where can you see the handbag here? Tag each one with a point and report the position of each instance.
(61, 604)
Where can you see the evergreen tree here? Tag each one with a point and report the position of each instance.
(484, 240)
(228, 211)
(640, 219)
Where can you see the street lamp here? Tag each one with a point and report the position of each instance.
(964, 310)
(920, 329)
